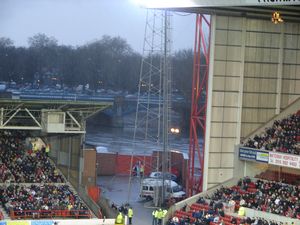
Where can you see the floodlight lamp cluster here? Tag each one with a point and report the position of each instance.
(276, 18)
(175, 130)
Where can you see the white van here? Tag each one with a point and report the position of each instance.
(150, 185)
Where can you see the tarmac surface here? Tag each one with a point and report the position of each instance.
(116, 189)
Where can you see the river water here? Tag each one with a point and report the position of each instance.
(121, 140)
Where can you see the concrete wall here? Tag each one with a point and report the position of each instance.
(290, 109)
(253, 75)
(67, 154)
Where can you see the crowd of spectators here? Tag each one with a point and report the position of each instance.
(213, 214)
(279, 176)
(269, 196)
(39, 197)
(31, 184)
(283, 136)
(21, 165)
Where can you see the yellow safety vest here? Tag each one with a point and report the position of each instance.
(156, 214)
(119, 219)
(35, 148)
(160, 214)
(241, 211)
(130, 213)
(47, 148)
(165, 212)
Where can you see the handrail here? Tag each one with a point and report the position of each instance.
(35, 214)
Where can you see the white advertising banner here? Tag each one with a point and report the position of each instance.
(286, 160)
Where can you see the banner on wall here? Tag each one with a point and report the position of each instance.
(286, 160)
(42, 222)
(18, 222)
(253, 155)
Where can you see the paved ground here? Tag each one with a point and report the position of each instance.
(116, 189)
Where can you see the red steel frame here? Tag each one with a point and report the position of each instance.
(198, 108)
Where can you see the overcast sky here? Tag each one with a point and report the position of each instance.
(76, 22)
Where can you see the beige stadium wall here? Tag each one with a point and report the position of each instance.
(254, 74)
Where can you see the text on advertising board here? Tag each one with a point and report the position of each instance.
(286, 160)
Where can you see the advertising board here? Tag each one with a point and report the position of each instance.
(286, 160)
(253, 155)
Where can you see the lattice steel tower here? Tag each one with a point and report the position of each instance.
(154, 92)
(156, 59)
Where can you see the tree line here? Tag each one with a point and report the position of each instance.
(107, 63)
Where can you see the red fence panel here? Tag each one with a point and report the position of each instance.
(94, 192)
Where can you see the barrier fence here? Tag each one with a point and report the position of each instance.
(37, 214)
(94, 192)
(60, 222)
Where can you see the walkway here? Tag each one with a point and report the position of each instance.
(115, 188)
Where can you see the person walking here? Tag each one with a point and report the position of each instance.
(130, 215)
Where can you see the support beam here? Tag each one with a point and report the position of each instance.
(279, 70)
(1, 116)
(74, 120)
(12, 116)
(199, 105)
(35, 120)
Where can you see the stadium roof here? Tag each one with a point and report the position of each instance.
(262, 9)
(27, 114)
(289, 13)
(86, 106)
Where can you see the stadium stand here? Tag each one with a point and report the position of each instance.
(21, 165)
(271, 175)
(283, 136)
(268, 196)
(222, 205)
(30, 184)
(210, 214)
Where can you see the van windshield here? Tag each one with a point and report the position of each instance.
(177, 188)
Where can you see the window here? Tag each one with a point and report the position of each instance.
(145, 188)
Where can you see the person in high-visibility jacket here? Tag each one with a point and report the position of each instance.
(154, 217)
(119, 219)
(160, 216)
(242, 211)
(130, 215)
(47, 149)
(35, 148)
(165, 213)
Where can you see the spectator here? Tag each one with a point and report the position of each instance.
(283, 136)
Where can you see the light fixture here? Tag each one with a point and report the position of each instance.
(276, 17)
(175, 130)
